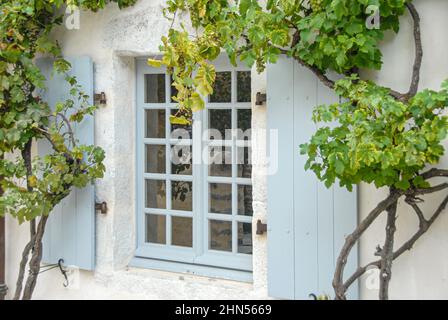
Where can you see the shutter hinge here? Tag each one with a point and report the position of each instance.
(261, 227)
(102, 207)
(100, 98)
(260, 98)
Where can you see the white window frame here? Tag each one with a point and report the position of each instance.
(199, 255)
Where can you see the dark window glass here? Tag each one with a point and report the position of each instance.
(245, 200)
(220, 235)
(182, 231)
(244, 238)
(244, 162)
(222, 88)
(180, 131)
(219, 121)
(181, 195)
(156, 194)
(155, 123)
(155, 88)
(244, 119)
(243, 86)
(155, 228)
(155, 158)
(220, 198)
(181, 160)
(220, 164)
(173, 89)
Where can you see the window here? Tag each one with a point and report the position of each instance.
(194, 198)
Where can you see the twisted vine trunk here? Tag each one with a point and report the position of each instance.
(387, 253)
(26, 156)
(338, 280)
(35, 261)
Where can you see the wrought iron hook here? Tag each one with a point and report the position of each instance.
(64, 272)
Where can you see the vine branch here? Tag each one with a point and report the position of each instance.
(418, 51)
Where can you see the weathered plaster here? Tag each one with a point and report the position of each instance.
(113, 38)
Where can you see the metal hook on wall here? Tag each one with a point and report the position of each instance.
(59, 265)
(63, 271)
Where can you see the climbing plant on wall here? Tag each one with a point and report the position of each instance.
(378, 135)
(32, 186)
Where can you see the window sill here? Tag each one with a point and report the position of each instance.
(204, 271)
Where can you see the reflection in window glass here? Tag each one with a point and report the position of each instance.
(155, 123)
(155, 228)
(181, 195)
(244, 118)
(182, 231)
(222, 88)
(156, 194)
(220, 235)
(244, 162)
(219, 121)
(179, 131)
(155, 88)
(244, 238)
(220, 161)
(245, 200)
(155, 158)
(243, 86)
(220, 198)
(173, 89)
(181, 160)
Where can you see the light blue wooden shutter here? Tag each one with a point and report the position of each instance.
(70, 232)
(307, 223)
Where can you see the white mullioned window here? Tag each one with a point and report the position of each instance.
(194, 193)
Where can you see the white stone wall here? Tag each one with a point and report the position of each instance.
(113, 38)
(423, 272)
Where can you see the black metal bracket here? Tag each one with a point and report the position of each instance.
(59, 265)
(261, 98)
(64, 272)
(261, 227)
(101, 207)
(100, 98)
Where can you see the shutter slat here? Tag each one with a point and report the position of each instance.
(70, 233)
(281, 185)
(302, 261)
(305, 188)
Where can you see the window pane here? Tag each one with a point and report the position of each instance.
(220, 235)
(155, 88)
(155, 158)
(244, 238)
(219, 121)
(155, 228)
(245, 200)
(243, 86)
(244, 161)
(244, 118)
(173, 89)
(155, 123)
(220, 198)
(222, 88)
(181, 160)
(182, 231)
(156, 194)
(179, 131)
(220, 161)
(181, 195)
